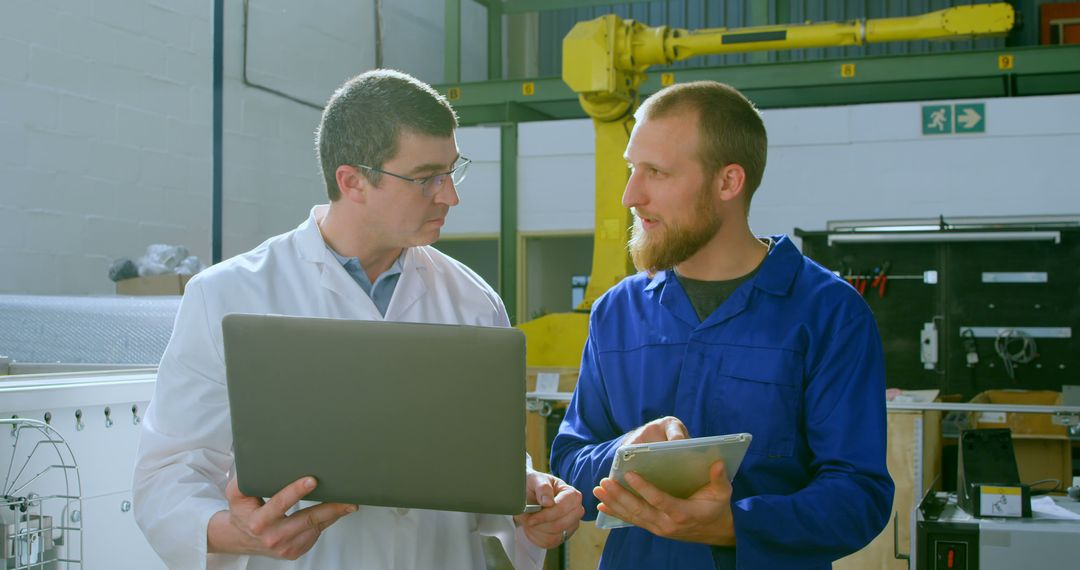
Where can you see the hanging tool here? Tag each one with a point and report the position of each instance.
(881, 277)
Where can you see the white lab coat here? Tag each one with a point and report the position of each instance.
(186, 449)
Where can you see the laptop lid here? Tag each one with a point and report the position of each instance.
(381, 413)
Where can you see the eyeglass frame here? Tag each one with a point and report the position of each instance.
(462, 164)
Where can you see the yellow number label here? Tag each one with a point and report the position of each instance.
(1006, 62)
(667, 79)
(847, 70)
(528, 88)
(453, 93)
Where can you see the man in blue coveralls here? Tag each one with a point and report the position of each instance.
(726, 332)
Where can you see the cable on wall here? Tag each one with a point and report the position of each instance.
(1015, 347)
(253, 85)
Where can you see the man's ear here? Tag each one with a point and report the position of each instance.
(730, 182)
(352, 184)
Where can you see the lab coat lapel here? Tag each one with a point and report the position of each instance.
(415, 281)
(332, 276)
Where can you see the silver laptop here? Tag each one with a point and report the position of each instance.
(387, 414)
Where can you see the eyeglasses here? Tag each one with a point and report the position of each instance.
(429, 185)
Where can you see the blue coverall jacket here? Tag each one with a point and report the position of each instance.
(794, 358)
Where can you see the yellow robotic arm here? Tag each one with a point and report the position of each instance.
(604, 60)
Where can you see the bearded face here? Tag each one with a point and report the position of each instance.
(673, 241)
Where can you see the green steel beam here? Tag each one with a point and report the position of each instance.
(494, 41)
(507, 113)
(452, 51)
(507, 90)
(508, 218)
(524, 6)
(1036, 70)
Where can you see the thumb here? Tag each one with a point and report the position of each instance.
(718, 475)
(545, 493)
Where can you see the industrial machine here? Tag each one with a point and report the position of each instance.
(76, 378)
(947, 537)
(605, 62)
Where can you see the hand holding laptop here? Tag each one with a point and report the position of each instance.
(561, 513)
(252, 526)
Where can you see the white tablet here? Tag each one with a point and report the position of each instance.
(679, 467)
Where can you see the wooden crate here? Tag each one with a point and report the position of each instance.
(914, 460)
(536, 441)
(585, 547)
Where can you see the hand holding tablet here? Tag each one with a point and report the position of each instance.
(678, 467)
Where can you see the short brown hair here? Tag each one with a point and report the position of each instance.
(363, 120)
(730, 127)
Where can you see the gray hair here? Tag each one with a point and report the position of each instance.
(363, 120)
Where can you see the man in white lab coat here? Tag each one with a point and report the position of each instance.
(388, 153)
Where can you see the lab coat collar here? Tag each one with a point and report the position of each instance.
(416, 280)
(309, 239)
(416, 273)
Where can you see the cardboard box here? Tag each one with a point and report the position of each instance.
(1038, 425)
(1041, 459)
(168, 284)
(567, 377)
(913, 457)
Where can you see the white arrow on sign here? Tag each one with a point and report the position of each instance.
(970, 118)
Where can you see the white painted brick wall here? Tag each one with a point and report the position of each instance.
(478, 211)
(105, 124)
(849, 162)
(103, 147)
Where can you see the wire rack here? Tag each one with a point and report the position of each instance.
(40, 500)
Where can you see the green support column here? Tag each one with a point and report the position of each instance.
(495, 40)
(783, 17)
(759, 16)
(508, 219)
(452, 25)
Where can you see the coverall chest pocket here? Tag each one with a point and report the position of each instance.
(759, 391)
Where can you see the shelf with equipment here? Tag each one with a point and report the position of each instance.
(996, 308)
(552, 266)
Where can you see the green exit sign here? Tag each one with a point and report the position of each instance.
(961, 118)
(969, 117)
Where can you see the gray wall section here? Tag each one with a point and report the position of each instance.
(105, 133)
(104, 137)
(849, 162)
(105, 122)
(414, 38)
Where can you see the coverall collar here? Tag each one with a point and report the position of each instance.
(776, 275)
